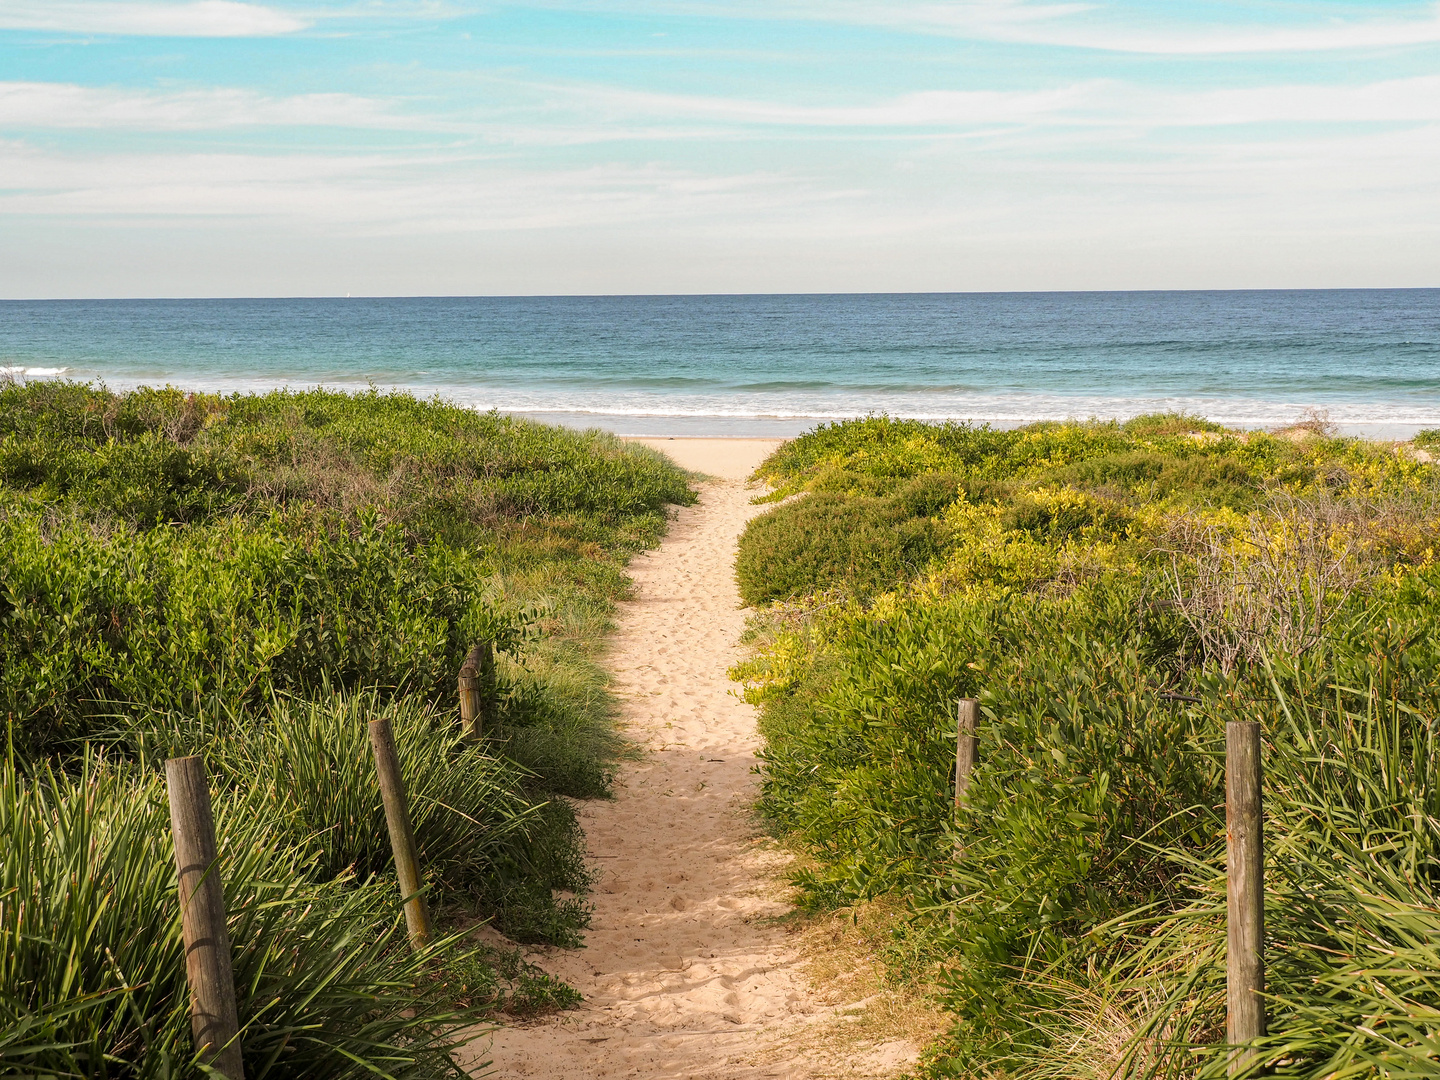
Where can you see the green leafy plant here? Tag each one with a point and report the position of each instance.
(1112, 593)
(255, 578)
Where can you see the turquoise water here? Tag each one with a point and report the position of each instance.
(776, 365)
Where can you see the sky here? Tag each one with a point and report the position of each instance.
(441, 147)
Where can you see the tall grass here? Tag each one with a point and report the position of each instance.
(482, 840)
(92, 971)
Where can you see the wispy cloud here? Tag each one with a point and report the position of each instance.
(1101, 103)
(197, 18)
(569, 114)
(386, 194)
(787, 141)
(1330, 36)
(1086, 25)
(924, 109)
(28, 105)
(1228, 185)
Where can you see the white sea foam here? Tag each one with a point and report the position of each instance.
(790, 412)
(16, 371)
(1010, 408)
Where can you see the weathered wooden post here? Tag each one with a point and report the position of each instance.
(477, 676)
(1245, 864)
(402, 836)
(214, 1019)
(967, 712)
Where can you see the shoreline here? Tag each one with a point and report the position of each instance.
(643, 424)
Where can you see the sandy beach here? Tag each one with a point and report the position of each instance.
(729, 461)
(685, 973)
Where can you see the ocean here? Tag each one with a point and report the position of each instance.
(778, 365)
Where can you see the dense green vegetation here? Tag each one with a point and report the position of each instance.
(253, 578)
(1112, 594)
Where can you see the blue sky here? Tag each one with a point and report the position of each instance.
(394, 147)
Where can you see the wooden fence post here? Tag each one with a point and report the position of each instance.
(1245, 863)
(402, 836)
(967, 711)
(477, 676)
(214, 1019)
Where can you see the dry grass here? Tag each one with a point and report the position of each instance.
(1275, 585)
(870, 1024)
(844, 960)
(1313, 423)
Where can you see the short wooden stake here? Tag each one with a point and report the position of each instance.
(402, 836)
(214, 1019)
(1245, 862)
(477, 677)
(967, 713)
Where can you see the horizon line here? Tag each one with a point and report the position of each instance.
(717, 295)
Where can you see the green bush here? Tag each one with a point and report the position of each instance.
(443, 471)
(827, 541)
(1352, 971)
(254, 578)
(1069, 915)
(234, 611)
(1158, 425)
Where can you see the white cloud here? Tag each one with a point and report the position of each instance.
(1101, 103)
(1348, 209)
(383, 194)
(66, 105)
(1391, 100)
(927, 108)
(1200, 41)
(1074, 25)
(1091, 28)
(572, 114)
(198, 18)
(1322, 184)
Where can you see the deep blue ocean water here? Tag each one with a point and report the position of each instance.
(776, 365)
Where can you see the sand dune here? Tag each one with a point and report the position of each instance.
(684, 974)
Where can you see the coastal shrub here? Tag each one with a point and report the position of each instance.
(1070, 914)
(1149, 475)
(827, 540)
(230, 612)
(253, 578)
(1157, 425)
(146, 480)
(356, 539)
(1351, 912)
(442, 471)
(1056, 516)
(878, 454)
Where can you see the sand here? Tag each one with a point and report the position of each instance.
(685, 972)
(730, 461)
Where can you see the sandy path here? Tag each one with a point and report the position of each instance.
(683, 975)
